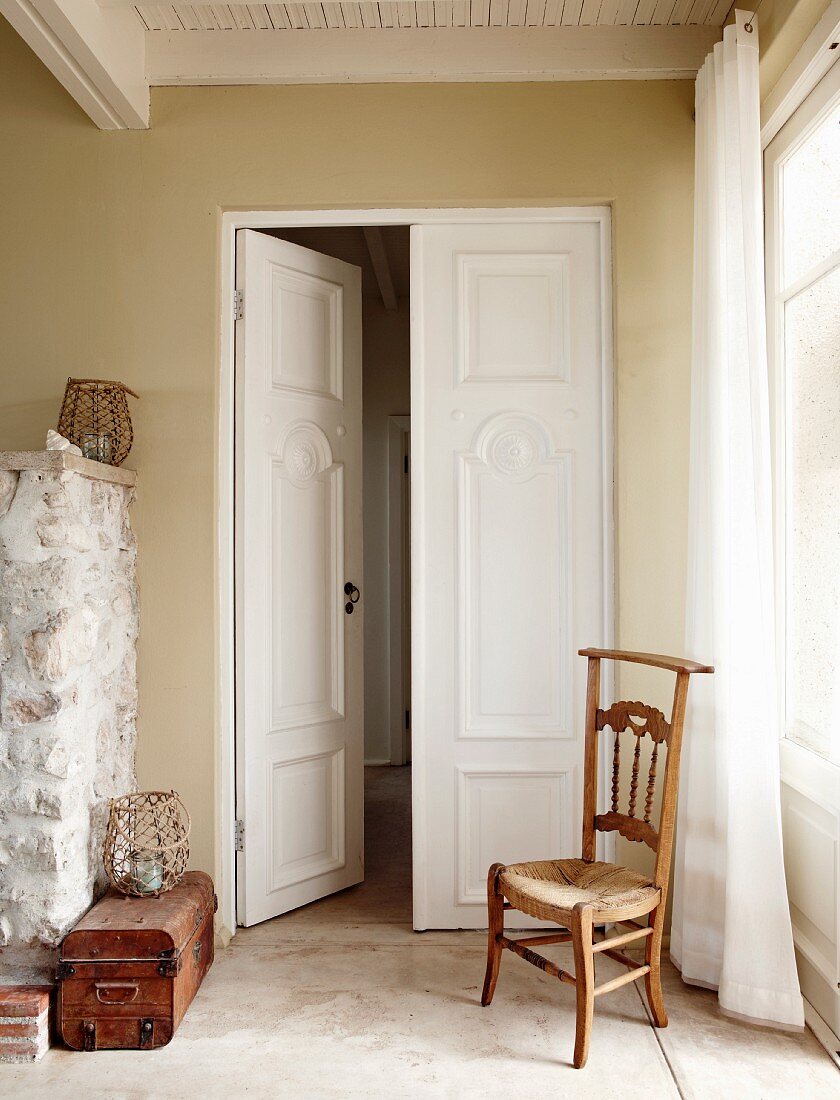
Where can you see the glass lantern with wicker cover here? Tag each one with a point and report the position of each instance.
(95, 417)
(147, 842)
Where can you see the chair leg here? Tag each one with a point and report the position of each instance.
(582, 930)
(495, 928)
(653, 980)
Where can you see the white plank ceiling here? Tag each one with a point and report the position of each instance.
(404, 14)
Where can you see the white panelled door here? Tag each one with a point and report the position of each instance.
(298, 543)
(510, 544)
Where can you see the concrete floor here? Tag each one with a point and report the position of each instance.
(342, 999)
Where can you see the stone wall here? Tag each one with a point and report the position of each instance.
(68, 692)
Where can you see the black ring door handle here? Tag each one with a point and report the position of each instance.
(351, 591)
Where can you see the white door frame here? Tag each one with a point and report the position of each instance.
(230, 222)
(399, 429)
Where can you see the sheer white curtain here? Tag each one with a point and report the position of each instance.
(731, 927)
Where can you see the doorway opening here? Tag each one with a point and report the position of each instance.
(380, 596)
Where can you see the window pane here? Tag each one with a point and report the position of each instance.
(812, 361)
(811, 191)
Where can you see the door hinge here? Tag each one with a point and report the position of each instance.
(238, 305)
(239, 835)
(408, 719)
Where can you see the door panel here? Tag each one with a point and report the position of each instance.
(514, 586)
(306, 563)
(508, 545)
(298, 540)
(488, 833)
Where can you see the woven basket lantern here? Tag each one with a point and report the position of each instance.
(94, 416)
(147, 842)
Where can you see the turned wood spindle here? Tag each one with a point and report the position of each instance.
(634, 781)
(651, 787)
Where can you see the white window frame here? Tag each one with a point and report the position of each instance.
(810, 783)
(799, 127)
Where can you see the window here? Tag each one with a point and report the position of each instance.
(802, 168)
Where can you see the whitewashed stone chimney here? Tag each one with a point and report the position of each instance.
(68, 691)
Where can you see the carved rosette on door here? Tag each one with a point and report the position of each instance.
(305, 451)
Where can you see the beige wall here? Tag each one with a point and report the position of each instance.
(109, 266)
(783, 26)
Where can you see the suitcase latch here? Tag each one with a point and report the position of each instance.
(89, 1034)
(147, 1033)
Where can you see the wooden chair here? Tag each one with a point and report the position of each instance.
(580, 894)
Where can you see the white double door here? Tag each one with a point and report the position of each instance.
(509, 557)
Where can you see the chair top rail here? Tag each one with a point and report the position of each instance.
(655, 660)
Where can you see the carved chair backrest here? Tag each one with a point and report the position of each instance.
(627, 723)
(631, 722)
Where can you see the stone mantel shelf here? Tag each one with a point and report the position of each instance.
(61, 460)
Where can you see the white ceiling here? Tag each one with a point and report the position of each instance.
(108, 54)
(404, 14)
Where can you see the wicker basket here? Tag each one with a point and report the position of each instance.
(94, 416)
(147, 842)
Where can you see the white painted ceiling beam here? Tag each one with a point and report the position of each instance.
(381, 267)
(427, 54)
(97, 55)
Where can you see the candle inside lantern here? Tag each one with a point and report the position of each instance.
(147, 873)
(97, 445)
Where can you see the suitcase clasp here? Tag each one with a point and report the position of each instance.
(89, 1034)
(147, 1033)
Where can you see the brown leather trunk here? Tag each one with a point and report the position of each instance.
(130, 968)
